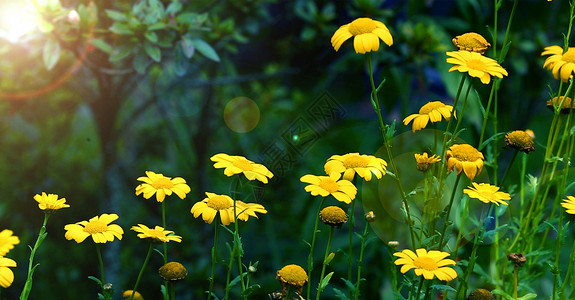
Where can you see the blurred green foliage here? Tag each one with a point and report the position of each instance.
(88, 105)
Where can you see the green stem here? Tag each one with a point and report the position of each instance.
(327, 251)
(350, 251)
(446, 221)
(310, 257)
(360, 262)
(214, 258)
(31, 268)
(142, 270)
(419, 288)
(101, 263)
(164, 225)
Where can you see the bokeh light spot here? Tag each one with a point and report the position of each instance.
(241, 114)
(15, 20)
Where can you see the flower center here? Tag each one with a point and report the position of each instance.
(163, 183)
(476, 64)
(425, 263)
(429, 107)
(156, 233)
(329, 185)
(218, 203)
(361, 26)
(569, 56)
(95, 227)
(355, 161)
(294, 275)
(472, 40)
(243, 164)
(466, 153)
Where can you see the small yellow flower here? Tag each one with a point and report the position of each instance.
(292, 275)
(476, 65)
(351, 163)
(50, 202)
(238, 164)
(333, 216)
(471, 41)
(7, 241)
(566, 106)
(342, 190)
(487, 193)
(173, 271)
(127, 294)
(520, 140)
(464, 157)
(6, 274)
(366, 34)
(429, 264)
(431, 111)
(559, 63)
(246, 210)
(569, 205)
(99, 228)
(481, 294)
(158, 234)
(155, 183)
(210, 206)
(424, 162)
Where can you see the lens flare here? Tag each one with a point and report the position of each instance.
(16, 20)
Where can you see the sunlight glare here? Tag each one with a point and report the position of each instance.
(15, 20)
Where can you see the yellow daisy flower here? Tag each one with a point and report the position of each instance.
(487, 193)
(424, 162)
(156, 183)
(520, 140)
(569, 205)
(239, 164)
(351, 163)
(429, 264)
(342, 190)
(431, 111)
(464, 157)
(99, 228)
(50, 202)
(173, 271)
(471, 41)
(247, 210)
(7, 241)
(566, 106)
(333, 216)
(292, 275)
(128, 295)
(476, 65)
(366, 34)
(560, 64)
(158, 234)
(210, 206)
(6, 274)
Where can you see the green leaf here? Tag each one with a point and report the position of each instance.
(151, 36)
(121, 52)
(45, 26)
(250, 290)
(188, 48)
(527, 296)
(116, 15)
(325, 281)
(51, 53)
(102, 45)
(174, 8)
(157, 26)
(121, 28)
(502, 293)
(442, 287)
(340, 295)
(141, 62)
(205, 49)
(98, 281)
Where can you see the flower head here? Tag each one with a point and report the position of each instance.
(476, 65)
(569, 205)
(518, 259)
(333, 216)
(464, 157)
(7, 241)
(173, 271)
(351, 163)
(566, 106)
(155, 183)
(128, 294)
(210, 206)
(238, 164)
(487, 193)
(431, 111)
(6, 274)
(559, 63)
(520, 140)
(424, 162)
(366, 34)
(158, 234)
(50, 202)
(292, 275)
(429, 264)
(471, 41)
(246, 210)
(342, 190)
(98, 227)
(481, 294)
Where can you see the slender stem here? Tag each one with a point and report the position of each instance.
(360, 262)
(142, 271)
(310, 257)
(515, 281)
(164, 225)
(350, 251)
(41, 236)
(419, 288)
(214, 258)
(327, 251)
(101, 263)
(446, 222)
